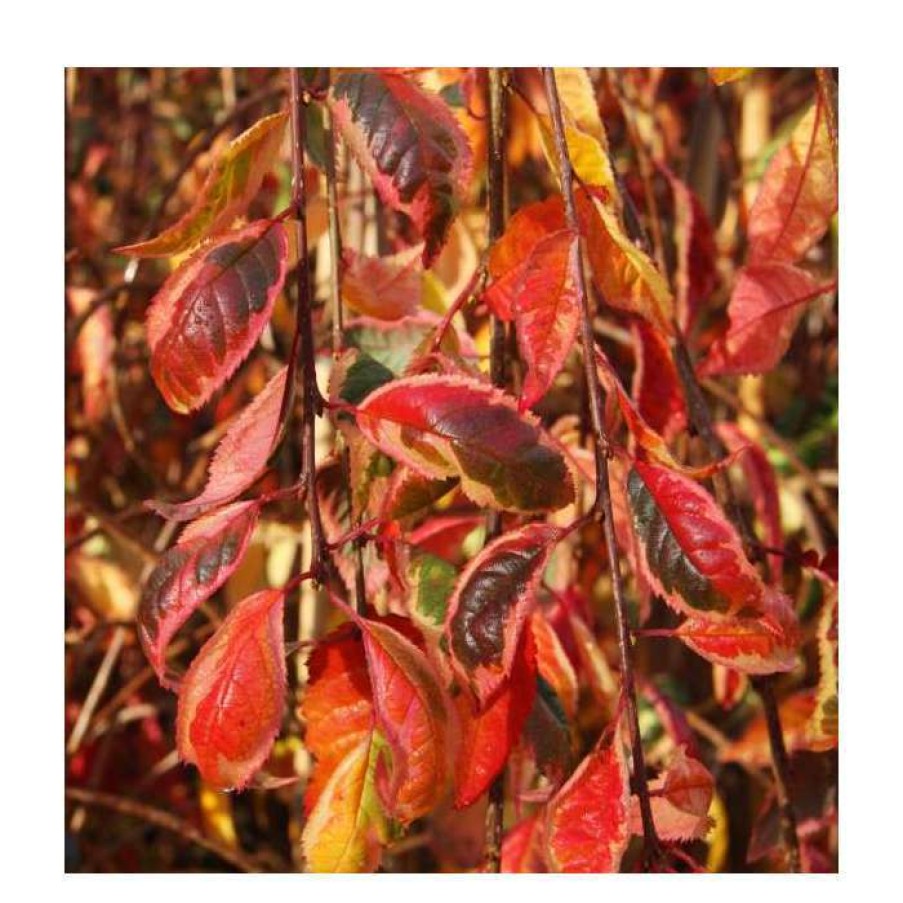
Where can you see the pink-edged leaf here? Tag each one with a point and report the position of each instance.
(680, 797)
(210, 312)
(522, 847)
(413, 714)
(696, 275)
(763, 488)
(656, 384)
(798, 195)
(207, 552)
(410, 144)
(689, 551)
(587, 825)
(228, 190)
(823, 725)
(546, 311)
(748, 645)
(386, 288)
(445, 426)
(232, 698)
(728, 686)
(240, 457)
(490, 604)
(766, 305)
(488, 736)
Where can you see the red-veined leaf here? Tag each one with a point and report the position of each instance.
(522, 846)
(488, 736)
(346, 828)
(387, 288)
(680, 798)
(798, 195)
(766, 305)
(410, 144)
(413, 714)
(207, 552)
(445, 426)
(490, 605)
(227, 191)
(656, 384)
(587, 824)
(232, 698)
(210, 312)
(547, 311)
(240, 457)
(689, 551)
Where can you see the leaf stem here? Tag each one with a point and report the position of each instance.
(602, 506)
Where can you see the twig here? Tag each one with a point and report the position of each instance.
(495, 197)
(310, 396)
(602, 507)
(827, 88)
(161, 819)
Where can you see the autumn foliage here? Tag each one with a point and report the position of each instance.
(449, 460)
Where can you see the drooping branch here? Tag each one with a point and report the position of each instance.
(495, 191)
(303, 340)
(602, 506)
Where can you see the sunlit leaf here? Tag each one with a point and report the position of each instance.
(240, 457)
(210, 312)
(798, 194)
(724, 75)
(232, 698)
(207, 552)
(387, 288)
(490, 605)
(587, 824)
(227, 192)
(445, 426)
(410, 144)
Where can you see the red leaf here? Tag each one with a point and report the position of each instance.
(696, 275)
(412, 712)
(490, 604)
(444, 426)
(488, 736)
(337, 707)
(240, 457)
(680, 797)
(210, 312)
(387, 288)
(522, 846)
(546, 311)
(410, 144)
(228, 190)
(766, 305)
(798, 195)
(207, 552)
(587, 822)
(232, 698)
(689, 551)
(656, 384)
(553, 662)
(763, 488)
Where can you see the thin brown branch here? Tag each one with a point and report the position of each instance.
(304, 335)
(162, 819)
(602, 506)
